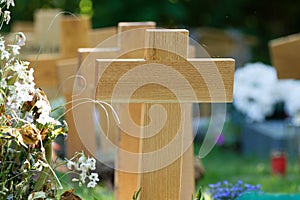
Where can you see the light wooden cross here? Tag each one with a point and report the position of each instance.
(164, 79)
(285, 56)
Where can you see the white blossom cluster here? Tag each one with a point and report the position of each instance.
(84, 166)
(17, 84)
(6, 13)
(289, 93)
(254, 90)
(27, 128)
(257, 90)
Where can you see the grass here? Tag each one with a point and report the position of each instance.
(97, 193)
(223, 164)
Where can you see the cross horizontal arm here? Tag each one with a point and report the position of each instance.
(144, 81)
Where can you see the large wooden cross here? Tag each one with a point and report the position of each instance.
(164, 84)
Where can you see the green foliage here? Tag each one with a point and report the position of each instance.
(136, 194)
(199, 195)
(260, 18)
(223, 164)
(25, 9)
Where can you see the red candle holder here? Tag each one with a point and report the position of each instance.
(278, 162)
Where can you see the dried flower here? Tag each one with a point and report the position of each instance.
(30, 134)
(27, 130)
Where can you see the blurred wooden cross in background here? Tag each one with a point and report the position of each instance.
(71, 68)
(285, 56)
(164, 84)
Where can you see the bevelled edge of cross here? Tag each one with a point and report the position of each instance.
(207, 79)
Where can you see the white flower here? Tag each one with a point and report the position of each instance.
(81, 159)
(7, 16)
(21, 38)
(24, 92)
(30, 77)
(92, 163)
(15, 49)
(255, 90)
(43, 106)
(3, 83)
(17, 67)
(10, 2)
(291, 98)
(91, 184)
(83, 176)
(70, 164)
(75, 179)
(83, 167)
(5, 55)
(93, 177)
(2, 45)
(44, 118)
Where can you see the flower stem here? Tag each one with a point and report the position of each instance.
(45, 172)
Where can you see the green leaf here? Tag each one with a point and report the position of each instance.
(136, 194)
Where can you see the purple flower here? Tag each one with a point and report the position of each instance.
(220, 139)
(228, 191)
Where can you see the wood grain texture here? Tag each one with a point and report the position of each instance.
(187, 186)
(156, 79)
(75, 144)
(161, 177)
(285, 56)
(74, 35)
(165, 66)
(47, 27)
(97, 36)
(171, 44)
(208, 80)
(126, 173)
(44, 70)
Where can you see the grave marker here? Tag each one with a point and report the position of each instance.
(160, 173)
(285, 56)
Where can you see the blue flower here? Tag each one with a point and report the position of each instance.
(228, 191)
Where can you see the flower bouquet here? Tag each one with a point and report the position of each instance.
(27, 130)
(258, 94)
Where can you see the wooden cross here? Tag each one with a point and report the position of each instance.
(46, 75)
(285, 56)
(164, 79)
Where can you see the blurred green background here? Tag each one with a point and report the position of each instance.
(263, 19)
